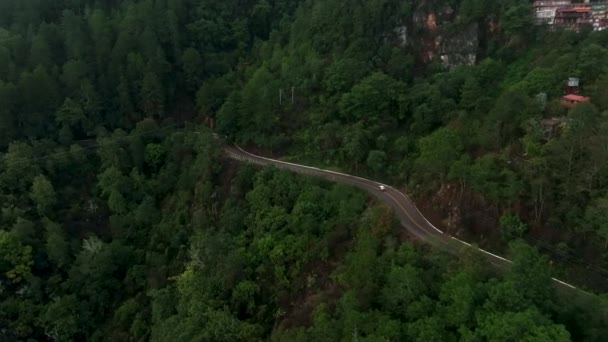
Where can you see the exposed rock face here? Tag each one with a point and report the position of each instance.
(401, 33)
(433, 33)
(459, 48)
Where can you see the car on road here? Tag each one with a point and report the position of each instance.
(382, 187)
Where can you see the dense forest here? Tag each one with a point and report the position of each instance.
(121, 220)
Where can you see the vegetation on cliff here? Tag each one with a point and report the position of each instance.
(121, 221)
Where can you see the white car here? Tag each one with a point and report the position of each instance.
(382, 187)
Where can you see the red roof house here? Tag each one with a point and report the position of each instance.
(572, 100)
(573, 16)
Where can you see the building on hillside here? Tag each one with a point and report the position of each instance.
(573, 85)
(572, 100)
(573, 16)
(599, 16)
(544, 10)
(565, 13)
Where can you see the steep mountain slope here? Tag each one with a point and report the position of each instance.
(120, 220)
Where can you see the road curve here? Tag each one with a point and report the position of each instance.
(409, 215)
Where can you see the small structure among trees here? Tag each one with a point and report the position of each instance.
(551, 126)
(572, 100)
(573, 96)
(573, 85)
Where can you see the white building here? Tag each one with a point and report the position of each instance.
(544, 10)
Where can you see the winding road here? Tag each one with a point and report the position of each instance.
(410, 217)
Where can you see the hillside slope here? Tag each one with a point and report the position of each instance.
(120, 219)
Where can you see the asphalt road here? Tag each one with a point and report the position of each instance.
(410, 217)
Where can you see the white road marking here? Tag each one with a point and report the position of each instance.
(367, 180)
(496, 256)
(563, 283)
(466, 243)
